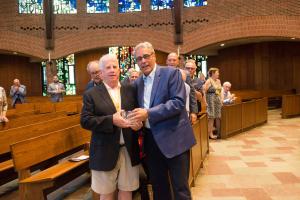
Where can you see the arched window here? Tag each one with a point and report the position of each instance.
(31, 6)
(97, 6)
(129, 6)
(161, 4)
(64, 7)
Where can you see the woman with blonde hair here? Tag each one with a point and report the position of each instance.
(212, 88)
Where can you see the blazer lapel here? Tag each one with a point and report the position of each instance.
(105, 95)
(155, 85)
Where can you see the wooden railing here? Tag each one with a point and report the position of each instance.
(243, 116)
(201, 149)
(290, 105)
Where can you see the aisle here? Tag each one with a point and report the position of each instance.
(260, 164)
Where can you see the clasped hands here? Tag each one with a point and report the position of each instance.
(130, 119)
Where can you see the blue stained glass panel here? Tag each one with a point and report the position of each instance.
(64, 6)
(31, 6)
(194, 3)
(97, 6)
(129, 6)
(161, 4)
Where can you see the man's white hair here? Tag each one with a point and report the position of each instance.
(227, 84)
(145, 45)
(105, 58)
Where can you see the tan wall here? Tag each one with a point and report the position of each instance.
(269, 65)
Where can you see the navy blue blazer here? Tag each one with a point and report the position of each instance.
(97, 116)
(167, 115)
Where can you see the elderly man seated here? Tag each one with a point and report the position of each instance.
(227, 97)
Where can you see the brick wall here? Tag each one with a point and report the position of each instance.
(221, 20)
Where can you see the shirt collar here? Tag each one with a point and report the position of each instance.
(109, 88)
(151, 75)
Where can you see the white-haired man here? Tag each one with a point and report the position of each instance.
(114, 149)
(226, 96)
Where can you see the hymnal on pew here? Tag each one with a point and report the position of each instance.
(79, 158)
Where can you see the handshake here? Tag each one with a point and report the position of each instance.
(130, 119)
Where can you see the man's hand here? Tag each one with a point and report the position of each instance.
(193, 118)
(136, 125)
(138, 114)
(119, 121)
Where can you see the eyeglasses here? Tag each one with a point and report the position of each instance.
(145, 56)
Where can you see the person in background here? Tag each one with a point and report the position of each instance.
(226, 96)
(197, 83)
(173, 61)
(17, 93)
(168, 137)
(3, 105)
(213, 89)
(94, 71)
(56, 90)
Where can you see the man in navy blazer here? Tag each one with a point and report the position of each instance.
(168, 132)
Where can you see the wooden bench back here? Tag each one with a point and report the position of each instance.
(11, 136)
(30, 119)
(30, 152)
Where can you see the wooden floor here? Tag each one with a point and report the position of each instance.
(260, 164)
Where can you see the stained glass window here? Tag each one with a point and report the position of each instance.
(161, 4)
(194, 3)
(129, 6)
(31, 6)
(65, 72)
(64, 6)
(97, 6)
(125, 57)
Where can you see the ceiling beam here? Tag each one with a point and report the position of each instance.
(177, 14)
(49, 23)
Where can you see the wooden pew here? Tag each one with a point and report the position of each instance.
(31, 119)
(31, 152)
(15, 135)
(201, 149)
(240, 117)
(290, 106)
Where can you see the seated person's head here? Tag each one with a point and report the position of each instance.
(226, 86)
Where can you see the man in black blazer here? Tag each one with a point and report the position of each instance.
(114, 150)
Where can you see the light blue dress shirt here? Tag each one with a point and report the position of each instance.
(148, 83)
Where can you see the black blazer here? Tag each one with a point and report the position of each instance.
(96, 115)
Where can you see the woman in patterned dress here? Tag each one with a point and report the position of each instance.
(212, 88)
